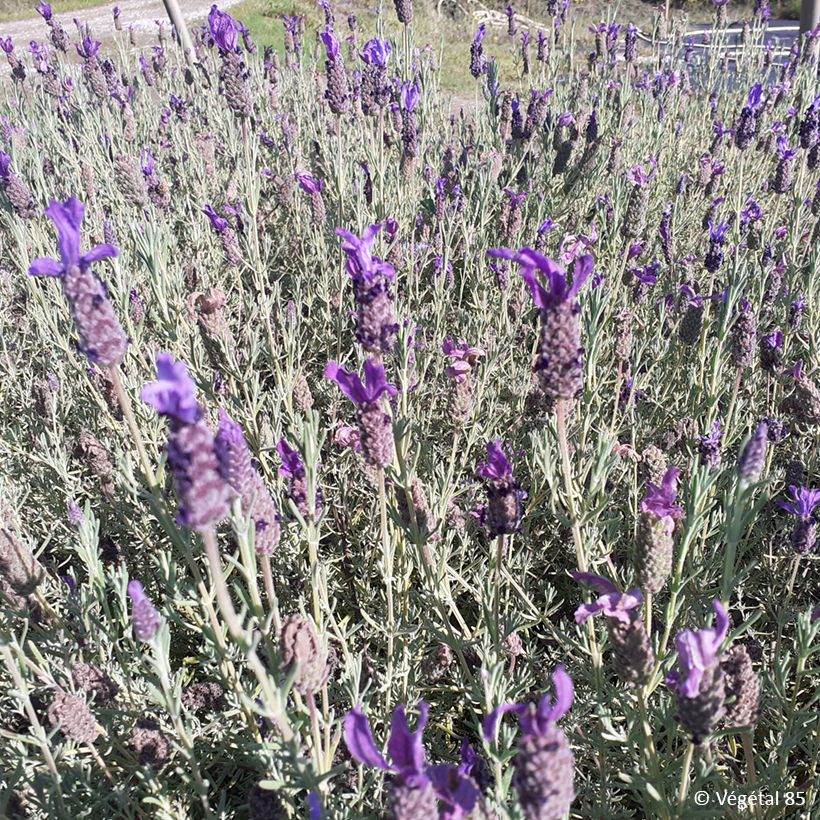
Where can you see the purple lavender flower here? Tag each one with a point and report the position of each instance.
(464, 358)
(660, 500)
(293, 471)
(634, 657)
(414, 780)
(640, 175)
(747, 122)
(478, 62)
(560, 363)
(101, 336)
(17, 192)
(337, 92)
(192, 453)
(504, 494)
(631, 43)
(88, 48)
(612, 603)
(796, 310)
(293, 38)
(647, 276)
(698, 683)
(753, 455)
(375, 426)
(314, 187)
(810, 125)
(376, 324)
(375, 90)
(709, 447)
(511, 26)
(75, 514)
(803, 537)
(771, 350)
(784, 173)
(717, 239)
(656, 528)
(376, 52)
(227, 235)
(697, 651)
(404, 11)
(544, 766)
(144, 617)
(223, 30)
(238, 470)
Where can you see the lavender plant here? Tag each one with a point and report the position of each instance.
(639, 442)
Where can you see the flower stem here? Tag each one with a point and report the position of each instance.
(563, 446)
(270, 591)
(171, 704)
(131, 421)
(683, 791)
(388, 584)
(499, 557)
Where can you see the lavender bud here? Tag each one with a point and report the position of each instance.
(73, 717)
(752, 457)
(742, 687)
(145, 619)
(376, 434)
(150, 743)
(404, 11)
(301, 647)
(94, 681)
(700, 715)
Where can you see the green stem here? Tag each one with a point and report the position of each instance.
(387, 551)
(683, 791)
(131, 421)
(499, 557)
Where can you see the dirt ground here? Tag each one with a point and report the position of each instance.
(138, 13)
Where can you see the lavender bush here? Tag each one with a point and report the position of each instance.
(330, 409)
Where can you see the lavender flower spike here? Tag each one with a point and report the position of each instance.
(237, 468)
(634, 658)
(804, 534)
(560, 362)
(698, 683)
(101, 335)
(656, 527)
(544, 764)
(144, 617)
(416, 784)
(376, 324)
(375, 426)
(752, 457)
(504, 494)
(203, 493)
(293, 471)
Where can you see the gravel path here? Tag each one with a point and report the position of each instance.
(139, 13)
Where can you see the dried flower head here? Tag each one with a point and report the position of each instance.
(302, 649)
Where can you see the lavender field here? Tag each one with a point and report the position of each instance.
(371, 453)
